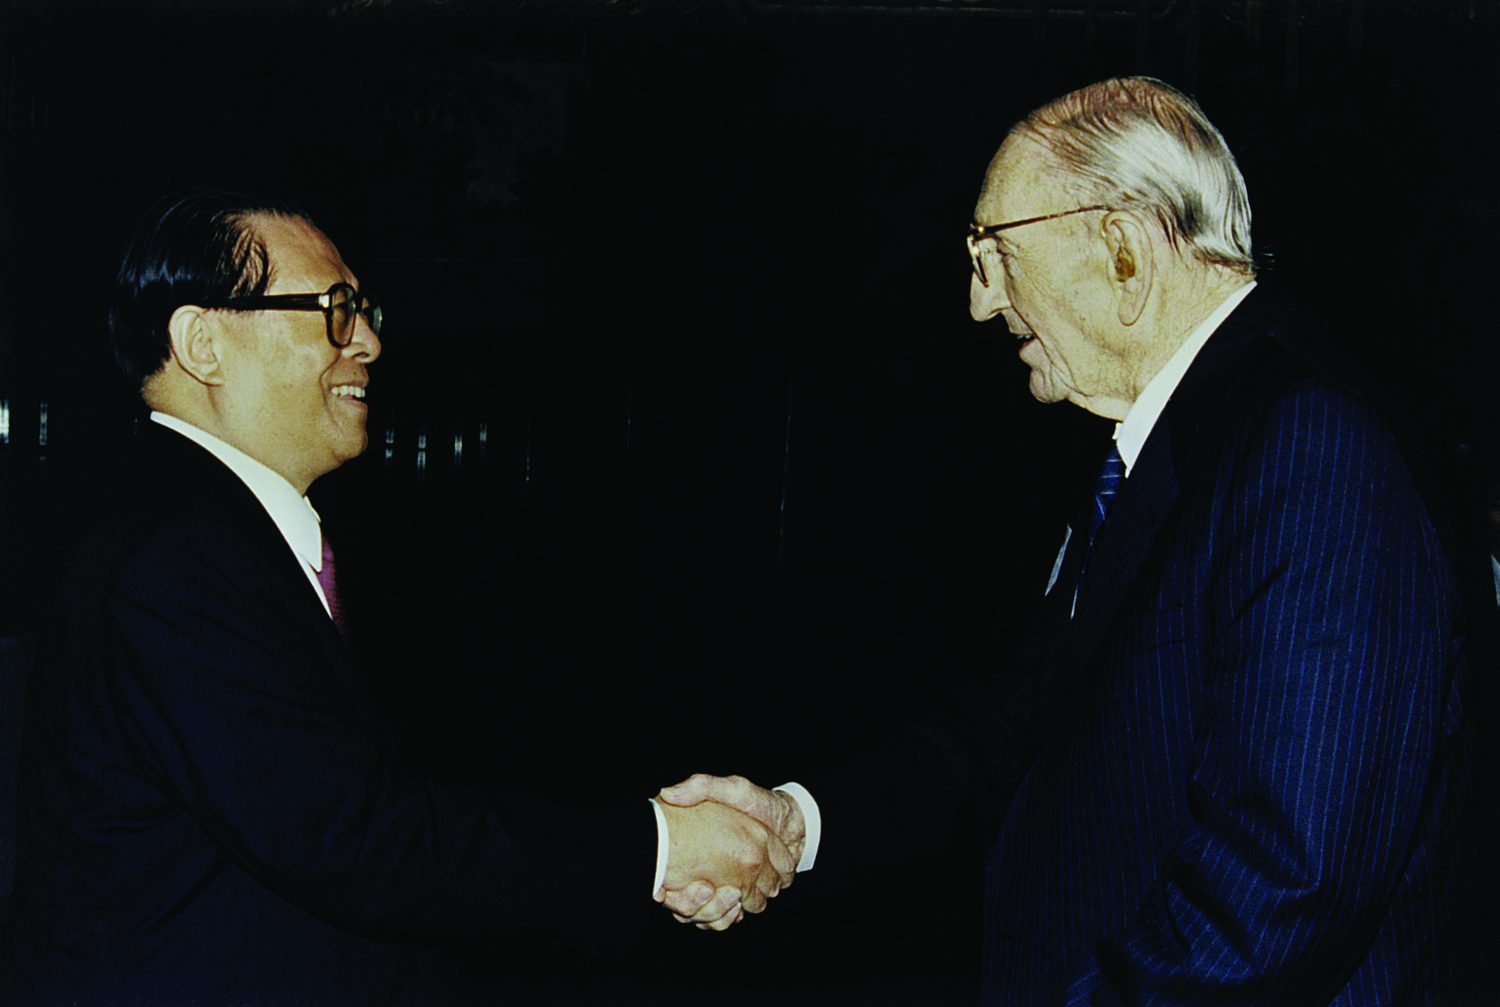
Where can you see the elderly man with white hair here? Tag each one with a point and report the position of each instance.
(1233, 769)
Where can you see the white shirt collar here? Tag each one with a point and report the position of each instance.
(292, 512)
(1132, 431)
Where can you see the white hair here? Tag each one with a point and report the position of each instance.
(1137, 143)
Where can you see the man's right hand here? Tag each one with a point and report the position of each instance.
(723, 846)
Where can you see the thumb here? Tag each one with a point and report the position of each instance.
(732, 791)
(694, 790)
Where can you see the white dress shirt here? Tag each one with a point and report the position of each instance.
(292, 513)
(1132, 431)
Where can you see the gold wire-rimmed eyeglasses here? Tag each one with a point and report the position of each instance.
(980, 232)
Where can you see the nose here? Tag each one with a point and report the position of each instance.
(985, 302)
(364, 344)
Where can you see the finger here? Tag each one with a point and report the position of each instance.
(754, 901)
(764, 890)
(690, 899)
(726, 922)
(781, 858)
(724, 902)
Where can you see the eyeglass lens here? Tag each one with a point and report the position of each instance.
(976, 258)
(344, 305)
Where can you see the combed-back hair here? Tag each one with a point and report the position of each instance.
(1137, 143)
(190, 248)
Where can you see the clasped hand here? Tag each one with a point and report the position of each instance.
(733, 846)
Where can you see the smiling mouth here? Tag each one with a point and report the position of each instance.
(348, 392)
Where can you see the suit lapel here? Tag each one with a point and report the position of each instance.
(1123, 545)
(1128, 539)
(190, 470)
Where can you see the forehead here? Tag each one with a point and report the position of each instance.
(1021, 181)
(301, 256)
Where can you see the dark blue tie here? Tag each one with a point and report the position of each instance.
(1106, 489)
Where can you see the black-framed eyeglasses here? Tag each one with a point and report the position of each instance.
(341, 304)
(980, 232)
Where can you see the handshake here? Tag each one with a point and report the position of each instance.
(732, 846)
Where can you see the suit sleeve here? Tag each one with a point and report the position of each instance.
(1328, 713)
(231, 707)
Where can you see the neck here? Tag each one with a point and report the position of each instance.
(1198, 295)
(201, 412)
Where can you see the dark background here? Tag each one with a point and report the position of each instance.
(684, 452)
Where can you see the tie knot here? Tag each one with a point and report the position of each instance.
(1106, 488)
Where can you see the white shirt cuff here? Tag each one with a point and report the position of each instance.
(811, 819)
(663, 847)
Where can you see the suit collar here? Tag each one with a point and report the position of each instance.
(1126, 541)
(1132, 432)
(177, 475)
(292, 513)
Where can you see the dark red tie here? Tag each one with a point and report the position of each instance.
(329, 581)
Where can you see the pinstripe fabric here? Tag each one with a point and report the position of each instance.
(1249, 791)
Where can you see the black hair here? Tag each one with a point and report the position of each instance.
(190, 248)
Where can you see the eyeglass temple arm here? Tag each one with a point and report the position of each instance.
(287, 302)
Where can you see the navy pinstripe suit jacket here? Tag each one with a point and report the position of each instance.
(1247, 792)
(1233, 776)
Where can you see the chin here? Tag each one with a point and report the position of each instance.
(347, 452)
(1044, 391)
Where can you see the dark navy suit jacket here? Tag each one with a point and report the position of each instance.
(211, 810)
(1233, 776)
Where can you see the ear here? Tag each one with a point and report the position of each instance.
(1131, 264)
(196, 345)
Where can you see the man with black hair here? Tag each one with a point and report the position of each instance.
(211, 812)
